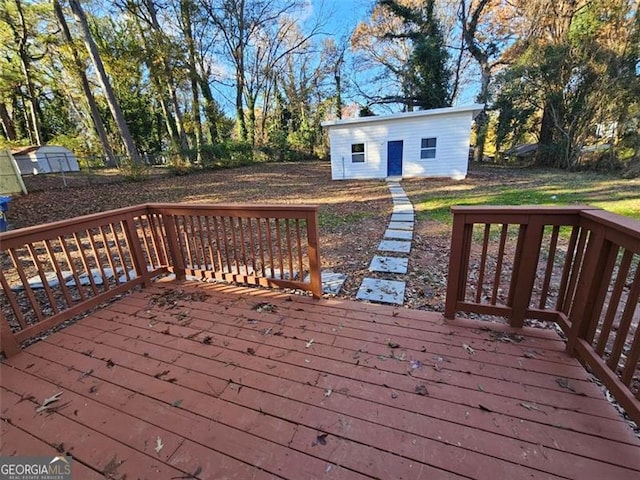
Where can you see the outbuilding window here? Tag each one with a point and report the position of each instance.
(428, 148)
(357, 152)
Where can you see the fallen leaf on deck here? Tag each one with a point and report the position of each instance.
(161, 374)
(177, 403)
(251, 351)
(416, 364)
(321, 439)
(110, 363)
(532, 406)
(564, 383)
(309, 343)
(422, 390)
(394, 395)
(86, 374)
(530, 354)
(159, 445)
(47, 402)
(207, 340)
(393, 344)
(484, 409)
(265, 307)
(328, 392)
(468, 348)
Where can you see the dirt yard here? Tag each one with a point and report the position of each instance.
(353, 214)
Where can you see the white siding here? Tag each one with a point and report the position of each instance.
(452, 131)
(47, 159)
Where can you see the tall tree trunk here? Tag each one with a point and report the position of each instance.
(25, 64)
(86, 88)
(112, 101)
(482, 120)
(242, 124)
(210, 110)
(170, 83)
(174, 137)
(545, 137)
(186, 8)
(7, 123)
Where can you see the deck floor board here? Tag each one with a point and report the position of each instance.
(249, 383)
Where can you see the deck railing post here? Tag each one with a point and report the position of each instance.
(314, 253)
(8, 343)
(175, 252)
(458, 263)
(525, 267)
(581, 312)
(139, 261)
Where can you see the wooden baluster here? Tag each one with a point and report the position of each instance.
(483, 261)
(72, 266)
(107, 249)
(289, 250)
(260, 248)
(299, 249)
(17, 310)
(243, 249)
(123, 259)
(279, 245)
(43, 277)
(85, 263)
(98, 260)
(269, 245)
(623, 329)
(35, 306)
(566, 269)
(614, 300)
(553, 243)
(497, 279)
(219, 245)
(56, 267)
(252, 245)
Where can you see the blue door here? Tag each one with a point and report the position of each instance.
(394, 158)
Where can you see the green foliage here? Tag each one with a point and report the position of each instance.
(134, 172)
(573, 87)
(427, 79)
(227, 154)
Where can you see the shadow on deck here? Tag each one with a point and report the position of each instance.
(183, 380)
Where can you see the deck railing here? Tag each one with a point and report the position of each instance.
(577, 267)
(51, 273)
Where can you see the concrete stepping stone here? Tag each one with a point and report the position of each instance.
(401, 225)
(384, 291)
(402, 217)
(389, 264)
(398, 234)
(404, 208)
(397, 246)
(331, 281)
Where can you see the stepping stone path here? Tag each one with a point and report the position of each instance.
(396, 241)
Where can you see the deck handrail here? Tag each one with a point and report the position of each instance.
(575, 266)
(84, 261)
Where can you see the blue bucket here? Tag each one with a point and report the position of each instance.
(4, 208)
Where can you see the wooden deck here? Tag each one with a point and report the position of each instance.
(212, 381)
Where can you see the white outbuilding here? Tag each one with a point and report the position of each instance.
(45, 159)
(424, 143)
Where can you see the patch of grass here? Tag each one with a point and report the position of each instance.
(334, 220)
(487, 186)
